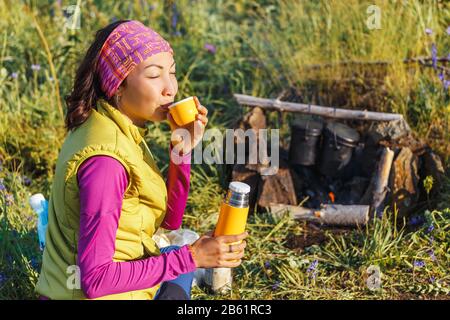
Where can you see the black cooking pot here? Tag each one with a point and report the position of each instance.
(305, 136)
(338, 144)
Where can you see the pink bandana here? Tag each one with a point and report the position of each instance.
(129, 44)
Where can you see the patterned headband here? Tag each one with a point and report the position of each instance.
(128, 45)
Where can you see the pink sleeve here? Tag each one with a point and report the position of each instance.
(178, 182)
(102, 183)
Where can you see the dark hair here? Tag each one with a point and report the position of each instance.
(86, 88)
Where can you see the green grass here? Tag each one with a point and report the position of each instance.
(263, 47)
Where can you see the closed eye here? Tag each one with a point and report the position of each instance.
(158, 76)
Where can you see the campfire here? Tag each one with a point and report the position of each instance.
(341, 167)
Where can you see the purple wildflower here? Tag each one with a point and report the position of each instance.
(431, 240)
(267, 264)
(431, 254)
(35, 67)
(430, 228)
(312, 269)
(448, 30)
(313, 266)
(26, 180)
(428, 31)
(419, 264)
(2, 186)
(432, 279)
(14, 75)
(416, 220)
(9, 199)
(434, 55)
(276, 285)
(446, 84)
(174, 16)
(210, 48)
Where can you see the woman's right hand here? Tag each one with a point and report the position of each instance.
(214, 252)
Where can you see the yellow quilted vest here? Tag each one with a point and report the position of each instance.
(106, 132)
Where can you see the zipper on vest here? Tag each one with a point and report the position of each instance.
(150, 155)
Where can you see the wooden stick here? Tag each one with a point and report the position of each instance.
(381, 181)
(332, 214)
(328, 112)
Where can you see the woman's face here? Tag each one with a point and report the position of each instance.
(149, 89)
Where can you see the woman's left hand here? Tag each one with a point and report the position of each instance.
(196, 129)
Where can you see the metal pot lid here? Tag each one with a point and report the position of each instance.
(343, 132)
(312, 127)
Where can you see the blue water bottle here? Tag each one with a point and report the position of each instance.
(40, 206)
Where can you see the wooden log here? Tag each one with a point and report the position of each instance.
(245, 139)
(404, 182)
(253, 120)
(329, 112)
(248, 174)
(376, 193)
(331, 214)
(432, 166)
(277, 188)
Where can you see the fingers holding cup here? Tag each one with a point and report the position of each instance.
(202, 118)
(202, 112)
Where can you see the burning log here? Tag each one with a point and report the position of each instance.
(331, 214)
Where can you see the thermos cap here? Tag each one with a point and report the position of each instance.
(239, 187)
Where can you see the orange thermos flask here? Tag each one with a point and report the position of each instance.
(232, 220)
(234, 210)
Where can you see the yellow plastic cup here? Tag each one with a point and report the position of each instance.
(184, 111)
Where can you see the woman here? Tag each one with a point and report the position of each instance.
(108, 196)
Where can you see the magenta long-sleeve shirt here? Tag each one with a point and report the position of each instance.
(102, 183)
